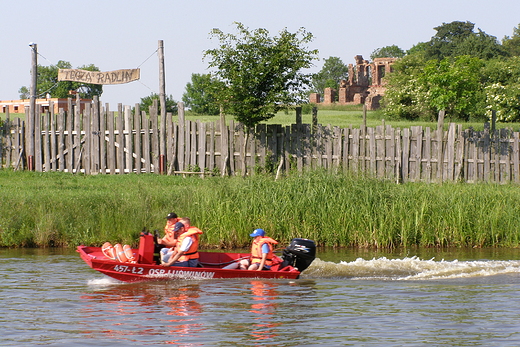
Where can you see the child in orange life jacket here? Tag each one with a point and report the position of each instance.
(185, 252)
(169, 239)
(261, 253)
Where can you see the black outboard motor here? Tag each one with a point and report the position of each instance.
(300, 253)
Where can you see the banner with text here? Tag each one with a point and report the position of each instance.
(98, 77)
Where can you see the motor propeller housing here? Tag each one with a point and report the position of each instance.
(300, 253)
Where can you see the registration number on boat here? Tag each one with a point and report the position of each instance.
(126, 268)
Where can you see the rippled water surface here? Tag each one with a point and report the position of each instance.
(421, 298)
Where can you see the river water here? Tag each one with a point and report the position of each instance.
(345, 298)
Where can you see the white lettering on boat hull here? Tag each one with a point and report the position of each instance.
(173, 273)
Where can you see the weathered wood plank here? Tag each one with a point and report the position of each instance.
(111, 147)
(147, 155)
(138, 133)
(154, 117)
(406, 155)
(202, 140)
(53, 138)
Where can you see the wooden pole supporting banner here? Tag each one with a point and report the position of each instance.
(32, 106)
(162, 104)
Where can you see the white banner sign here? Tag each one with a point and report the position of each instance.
(98, 77)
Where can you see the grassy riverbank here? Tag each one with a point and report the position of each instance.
(60, 209)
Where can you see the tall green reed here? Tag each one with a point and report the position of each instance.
(60, 209)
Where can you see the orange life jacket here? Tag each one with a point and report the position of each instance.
(169, 239)
(192, 252)
(256, 250)
(168, 228)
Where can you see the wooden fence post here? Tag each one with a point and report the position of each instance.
(440, 153)
(180, 137)
(298, 115)
(314, 119)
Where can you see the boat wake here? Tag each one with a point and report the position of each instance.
(412, 268)
(103, 282)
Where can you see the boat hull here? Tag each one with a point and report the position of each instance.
(212, 268)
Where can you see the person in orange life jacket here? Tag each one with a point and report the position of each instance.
(186, 252)
(168, 252)
(169, 239)
(261, 253)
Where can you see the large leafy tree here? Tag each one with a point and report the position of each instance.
(261, 74)
(419, 88)
(47, 83)
(454, 86)
(481, 45)
(147, 101)
(330, 75)
(448, 36)
(388, 52)
(457, 38)
(201, 94)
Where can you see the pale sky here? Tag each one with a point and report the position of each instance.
(123, 34)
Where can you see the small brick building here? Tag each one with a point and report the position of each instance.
(18, 106)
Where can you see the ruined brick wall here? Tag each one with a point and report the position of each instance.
(315, 98)
(365, 83)
(329, 95)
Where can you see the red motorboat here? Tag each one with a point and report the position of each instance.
(295, 258)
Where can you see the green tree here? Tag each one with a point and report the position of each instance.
(404, 95)
(419, 88)
(201, 94)
(330, 75)
(512, 44)
(419, 48)
(388, 52)
(500, 77)
(261, 74)
(24, 92)
(457, 38)
(147, 101)
(448, 36)
(480, 45)
(47, 83)
(454, 86)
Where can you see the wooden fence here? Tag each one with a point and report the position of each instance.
(103, 141)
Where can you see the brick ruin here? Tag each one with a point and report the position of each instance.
(364, 85)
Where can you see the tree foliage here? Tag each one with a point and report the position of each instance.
(404, 95)
(453, 86)
(261, 74)
(47, 83)
(419, 88)
(330, 75)
(387, 52)
(147, 101)
(502, 88)
(457, 38)
(468, 74)
(201, 94)
(512, 44)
